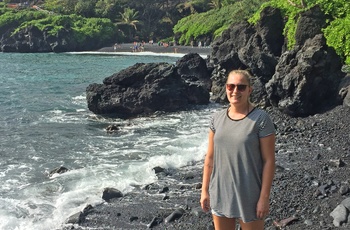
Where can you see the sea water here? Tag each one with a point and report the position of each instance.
(45, 124)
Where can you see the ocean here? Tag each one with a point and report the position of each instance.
(45, 124)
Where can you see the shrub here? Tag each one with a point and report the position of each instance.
(211, 23)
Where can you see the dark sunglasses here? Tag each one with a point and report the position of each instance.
(240, 88)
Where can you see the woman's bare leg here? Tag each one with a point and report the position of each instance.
(254, 225)
(224, 223)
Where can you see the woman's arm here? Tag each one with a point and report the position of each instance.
(207, 169)
(267, 148)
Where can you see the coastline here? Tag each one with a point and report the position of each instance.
(307, 187)
(127, 48)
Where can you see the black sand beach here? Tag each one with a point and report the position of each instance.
(308, 185)
(155, 48)
(312, 178)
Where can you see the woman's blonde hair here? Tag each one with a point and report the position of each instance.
(245, 73)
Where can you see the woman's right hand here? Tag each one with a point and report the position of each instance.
(205, 201)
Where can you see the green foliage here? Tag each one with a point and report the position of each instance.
(338, 36)
(3, 8)
(61, 6)
(83, 28)
(13, 17)
(106, 9)
(129, 17)
(335, 8)
(85, 8)
(289, 12)
(337, 31)
(87, 28)
(212, 23)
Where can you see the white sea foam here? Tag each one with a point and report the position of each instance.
(79, 100)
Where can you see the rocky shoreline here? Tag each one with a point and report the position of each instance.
(312, 149)
(312, 179)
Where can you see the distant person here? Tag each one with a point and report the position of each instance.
(135, 47)
(192, 43)
(240, 161)
(199, 44)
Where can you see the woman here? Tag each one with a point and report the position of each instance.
(240, 162)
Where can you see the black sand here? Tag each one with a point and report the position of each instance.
(155, 48)
(307, 186)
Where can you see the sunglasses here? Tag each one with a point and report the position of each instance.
(240, 88)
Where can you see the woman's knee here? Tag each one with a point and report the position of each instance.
(253, 225)
(224, 223)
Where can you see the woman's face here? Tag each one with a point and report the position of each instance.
(237, 89)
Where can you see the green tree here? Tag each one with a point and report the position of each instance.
(107, 8)
(85, 8)
(61, 6)
(129, 19)
(215, 4)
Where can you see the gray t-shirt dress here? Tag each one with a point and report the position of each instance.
(235, 182)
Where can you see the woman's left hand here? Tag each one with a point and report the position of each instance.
(262, 208)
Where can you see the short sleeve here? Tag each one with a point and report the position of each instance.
(266, 126)
(211, 125)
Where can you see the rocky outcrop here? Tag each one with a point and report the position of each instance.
(33, 40)
(309, 25)
(144, 89)
(193, 67)
(344, 90)
(307, 79)
(245, 46)
(300, 82)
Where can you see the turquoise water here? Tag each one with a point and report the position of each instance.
(45, 123)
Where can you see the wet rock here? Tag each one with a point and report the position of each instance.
(79, 217)
(340, 215)
(164, 190)
(111, 193)
(344, 189)
(58, 170)
(147, 88)
(337, 163)
(158, 169)
(346, 203)
(112, 128)
(175, 215)
(75, 218)
(155, 221)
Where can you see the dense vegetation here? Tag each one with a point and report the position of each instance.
(210, 24)
(337, 31)
(170, 20)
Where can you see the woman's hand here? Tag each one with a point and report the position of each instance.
(262, 208)
(205, 201)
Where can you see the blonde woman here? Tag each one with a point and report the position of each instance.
(240, 162)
